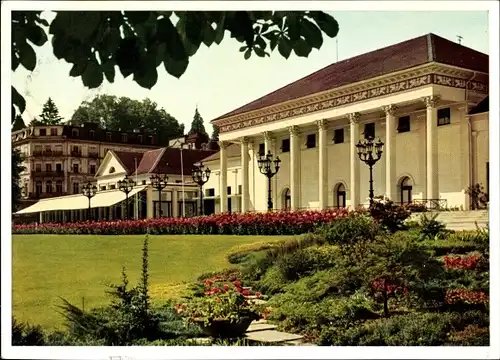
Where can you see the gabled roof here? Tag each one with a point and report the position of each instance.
(168, 160)
(482, 107)
(233, 150)
(128, 159)
(407, 54)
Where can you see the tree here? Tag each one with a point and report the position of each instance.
(17, 169)
(125, 114)
(215, 133)
(95, 42)
(50, 114)
(197, 124)
(18, 123)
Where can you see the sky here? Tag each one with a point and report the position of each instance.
(218, 79)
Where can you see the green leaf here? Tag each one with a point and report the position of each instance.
(128, 57)
(311, 33)
(220, 30)
(302, 48)
(168, 34)
(27, 56)
(248, 53)
(326, 23)
(78, 69)
(175, 67)
(193, 28)
(293, 28)
(260, 42)
(14, 61)
(243, 48)
(111, 40)
(137, 17)
(259, 51)
(109, 70)
(36, 35)
(160, 51)
(92, 76)
(208, 35)
(273, 42)
(284, 47)
(147, 76)
(18, 100)
(58, 46)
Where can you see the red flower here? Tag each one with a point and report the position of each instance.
(245, 292)
(237, 283)
(207, 283)
(226, 287)
(258, 294)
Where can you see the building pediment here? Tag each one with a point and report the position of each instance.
(110, 166)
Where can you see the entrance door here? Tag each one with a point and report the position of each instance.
(209, 206)
(406, 189)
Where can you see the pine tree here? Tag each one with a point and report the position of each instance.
(215, 133)
(50, 114)
(18, 123)
(197, 124)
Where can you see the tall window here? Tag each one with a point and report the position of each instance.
(76, 188)
(338, 136)
(38, 167)
(38, 188)
(311, 141)
(340, 195)
(48, 167)
(444, 116)
(75, 132)
(404, 124)
(287, 200)
(43, 132)
(124, 137)
(285, 145)
(59, 167)
(92, 134)
(48, 187)
(53, 132)
(369, 130)
(75, 168)
(262, 149)
(92, 169)
(109, 136)
(405, 187)
(59, 187)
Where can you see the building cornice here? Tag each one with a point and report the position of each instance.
(429, 74)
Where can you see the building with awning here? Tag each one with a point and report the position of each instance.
(178, 198)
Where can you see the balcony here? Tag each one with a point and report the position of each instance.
(54, 173)
(76, 153)
(93, 155)
(44, 195)
(47, 153)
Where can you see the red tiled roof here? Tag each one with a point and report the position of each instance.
(170, 161)
(128, 159)
(401, 56)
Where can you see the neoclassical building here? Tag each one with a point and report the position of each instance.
(425, 98)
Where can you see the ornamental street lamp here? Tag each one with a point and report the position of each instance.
(126, 185)
(265, 166)
(200, 176)
(89, 191)
(370, 152)
(159, 182)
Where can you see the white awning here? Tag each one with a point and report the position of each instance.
(76, 202)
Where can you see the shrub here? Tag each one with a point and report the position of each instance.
(472, 335)
(471, 262)
(424, 329)
(230, 274)
(272, 282)
(431, 228)
(27, 335)
(303, 262)
(389, 215)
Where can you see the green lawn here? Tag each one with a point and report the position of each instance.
(46, 267)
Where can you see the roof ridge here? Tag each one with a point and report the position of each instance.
(430, 48)
(157, 159)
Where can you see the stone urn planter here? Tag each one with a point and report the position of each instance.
(226, 328)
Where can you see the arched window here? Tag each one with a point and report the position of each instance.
(48, 187)
(287, 200)
(59, 187)
(405, 188)
(339, 196)
(38, 188)
(112, 169)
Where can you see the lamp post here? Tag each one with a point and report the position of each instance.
(159, 182)
(200, 176)
(265, 166)
(89, 191)
(370, 152)
(126, 185)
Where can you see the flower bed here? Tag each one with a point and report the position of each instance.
(274, 223)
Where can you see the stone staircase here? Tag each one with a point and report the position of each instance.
(459, 220)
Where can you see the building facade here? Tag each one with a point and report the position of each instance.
(418, 97)
(58, 159)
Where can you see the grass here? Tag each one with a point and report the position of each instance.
(46, 267)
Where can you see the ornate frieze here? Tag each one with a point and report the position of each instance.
(325, 101)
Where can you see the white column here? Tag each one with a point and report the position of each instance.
(432, 148)
(223, 176)
(390, 152)
(294, 167)
(245, 186)
(269, 145)
(149, 202)
(175, 203)
(354, 180)
(323, 164)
